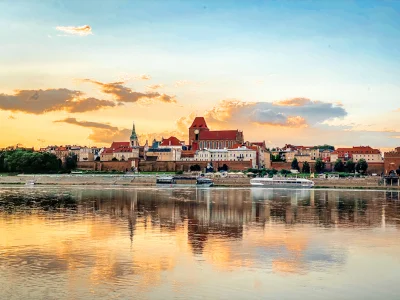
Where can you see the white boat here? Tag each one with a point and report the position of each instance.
(30, 182)
(282, 182)
(184, 181)
(165, 180)
(203, 181)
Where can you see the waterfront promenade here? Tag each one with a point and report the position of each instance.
(150, 180)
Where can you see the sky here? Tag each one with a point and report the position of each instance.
(298, 72)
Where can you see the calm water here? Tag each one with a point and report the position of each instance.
(100, 243)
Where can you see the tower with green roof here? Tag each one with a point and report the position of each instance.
(134, 139)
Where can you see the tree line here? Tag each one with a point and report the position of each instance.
(350, 166)
(28, 161)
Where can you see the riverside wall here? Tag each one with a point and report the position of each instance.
(159, 166)
(377, 168)
(150, 180)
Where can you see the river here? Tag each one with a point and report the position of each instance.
(218, 243)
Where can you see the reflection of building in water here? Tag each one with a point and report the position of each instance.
(225, 212)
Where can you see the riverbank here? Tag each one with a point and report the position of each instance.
(370, 183)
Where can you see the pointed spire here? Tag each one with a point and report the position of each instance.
(133, 134)
(134, 138)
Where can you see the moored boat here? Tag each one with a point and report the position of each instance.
(282, 182)
(203, 181)
(184, 181)
(165, 180)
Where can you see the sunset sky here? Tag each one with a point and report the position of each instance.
(299, 72)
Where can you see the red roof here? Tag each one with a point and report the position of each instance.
(188, 153)
(116, 145)
(107, 151)
(199, 122)
(235, 146)
(356, 150)
(171, 141)
(303, 147)
(114, 150)
(218, 135)
(260, 144)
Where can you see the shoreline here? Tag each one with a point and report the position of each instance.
(149, 181)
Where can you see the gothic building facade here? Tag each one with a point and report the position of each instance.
(201, 137)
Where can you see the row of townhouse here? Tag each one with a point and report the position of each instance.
(172, 149)
(82, 153)
(309, 154)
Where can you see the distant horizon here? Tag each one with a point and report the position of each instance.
(305, 73)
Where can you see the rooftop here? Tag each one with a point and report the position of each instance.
(199, 122)
(171, 141)
(218, 135)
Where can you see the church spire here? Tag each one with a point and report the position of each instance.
(133, 138)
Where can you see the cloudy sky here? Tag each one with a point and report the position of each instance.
(300, 72)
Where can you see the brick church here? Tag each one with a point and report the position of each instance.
(200, 136)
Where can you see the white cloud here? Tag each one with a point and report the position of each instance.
(76, 30)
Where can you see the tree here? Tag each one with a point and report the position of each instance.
(71, 161)
(285, 172)
(339, 166)
(224, 168)
(195, 168)
(295, 164)
(28, 162)
(324, 147)
(319, 165)
(361, 166)
(350, 166)
(306, 168)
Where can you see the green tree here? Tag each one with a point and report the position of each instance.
(350, 166)
(2, 157)
(324, 147)
(319, 165)
(339, 166)
(29, 162)
(295, 164)
(71, 161)
(306, 167)
(224, 168)
(361, 166)
(195, 168)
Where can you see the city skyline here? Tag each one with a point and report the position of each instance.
(305, 73)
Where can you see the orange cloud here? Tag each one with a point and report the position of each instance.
(42, 101)
(124, 94)
(293, 102)
(145, 77)
(287, 113)
(106, 133)
(155, 86)
(76, 30)
(101, 132)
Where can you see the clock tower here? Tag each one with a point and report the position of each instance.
(199, 125)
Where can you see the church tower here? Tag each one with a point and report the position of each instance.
(133, 139)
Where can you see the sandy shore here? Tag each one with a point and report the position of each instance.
(150, 180)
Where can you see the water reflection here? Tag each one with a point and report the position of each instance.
(177, 241)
